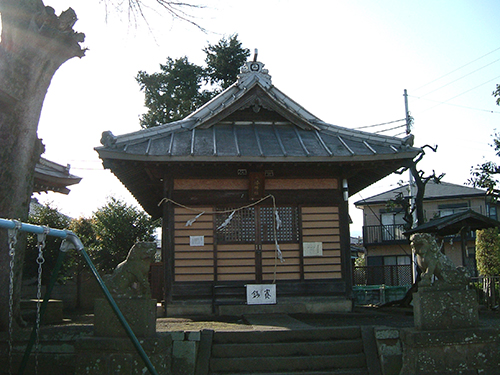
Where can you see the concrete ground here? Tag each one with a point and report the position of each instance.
(389, 317)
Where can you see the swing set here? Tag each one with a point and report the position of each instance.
(70, 241)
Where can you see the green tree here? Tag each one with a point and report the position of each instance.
(488, 252)
(224, 60)
(172, 93)
(180, 86)
(117, 226)
(85, 230)
(485, 175)
(48, 216)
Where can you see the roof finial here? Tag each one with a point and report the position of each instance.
(255, 54)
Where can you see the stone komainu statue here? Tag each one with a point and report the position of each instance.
(130, 277)
(434, 263)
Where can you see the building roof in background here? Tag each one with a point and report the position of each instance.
(455, 223)
(433, 191)
(50, 176)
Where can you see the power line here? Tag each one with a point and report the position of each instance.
(384, 123)
(465, 92)
(455, 105)
(453, 71)
(458, 79)
(386, 130)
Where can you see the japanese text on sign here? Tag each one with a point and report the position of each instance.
(261, 294)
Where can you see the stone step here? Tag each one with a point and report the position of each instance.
(288, 364)
(324, 334)
(283, 349)
(351, 371)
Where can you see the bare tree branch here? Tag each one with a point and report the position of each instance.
(178, 10)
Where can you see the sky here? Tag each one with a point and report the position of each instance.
(347, 62)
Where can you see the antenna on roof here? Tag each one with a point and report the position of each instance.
(255, 54)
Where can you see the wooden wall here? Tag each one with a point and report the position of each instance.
(321, 224)
(193, 263)
(237, 262)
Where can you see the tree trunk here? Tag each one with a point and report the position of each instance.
(35, 43)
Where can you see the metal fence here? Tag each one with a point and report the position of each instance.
(376, 234)
(487, 290)
(399, 275)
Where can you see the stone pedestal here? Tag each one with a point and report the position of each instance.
(451, 352)
(140, 314)
(447, 338)
(100, 355)
(445, 308)
(53, 312)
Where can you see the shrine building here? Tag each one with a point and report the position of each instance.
(253, 190)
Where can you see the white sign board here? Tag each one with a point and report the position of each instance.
(197, 240)
(313, 249)
(261, 294)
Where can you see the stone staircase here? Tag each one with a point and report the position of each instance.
(345, 350)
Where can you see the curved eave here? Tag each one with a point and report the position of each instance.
(118, 155)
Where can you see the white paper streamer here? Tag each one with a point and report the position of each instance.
(227, 221)
(191, 221)
(278, 220)
(280, 254)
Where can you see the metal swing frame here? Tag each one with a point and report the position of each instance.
(71, 241)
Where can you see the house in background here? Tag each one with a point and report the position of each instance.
(229, 165)
(387, 249)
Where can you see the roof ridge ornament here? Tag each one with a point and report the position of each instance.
(254, 70)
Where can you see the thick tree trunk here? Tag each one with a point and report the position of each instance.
(35, 43)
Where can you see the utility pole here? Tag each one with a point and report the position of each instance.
(409, 122)
(407, 114)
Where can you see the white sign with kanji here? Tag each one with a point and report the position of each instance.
(197, 240)
(313, 249)
(261, 294)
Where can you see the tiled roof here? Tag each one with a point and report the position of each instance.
(453, 224)
(50, 176)
(432, 191)
(279, 130)
(249, 125)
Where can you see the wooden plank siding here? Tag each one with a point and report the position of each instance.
(321, 224)
(193, 263)
(235, 262)
(290, 269)
(197, 268)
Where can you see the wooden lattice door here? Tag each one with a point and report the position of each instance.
(246, 243)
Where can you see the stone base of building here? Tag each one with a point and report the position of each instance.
(284, 305)
(140, 314)
(102, 355)
(445, 308)
(461, 351)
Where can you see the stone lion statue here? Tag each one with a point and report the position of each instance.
(130, 277)
(433, 262)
